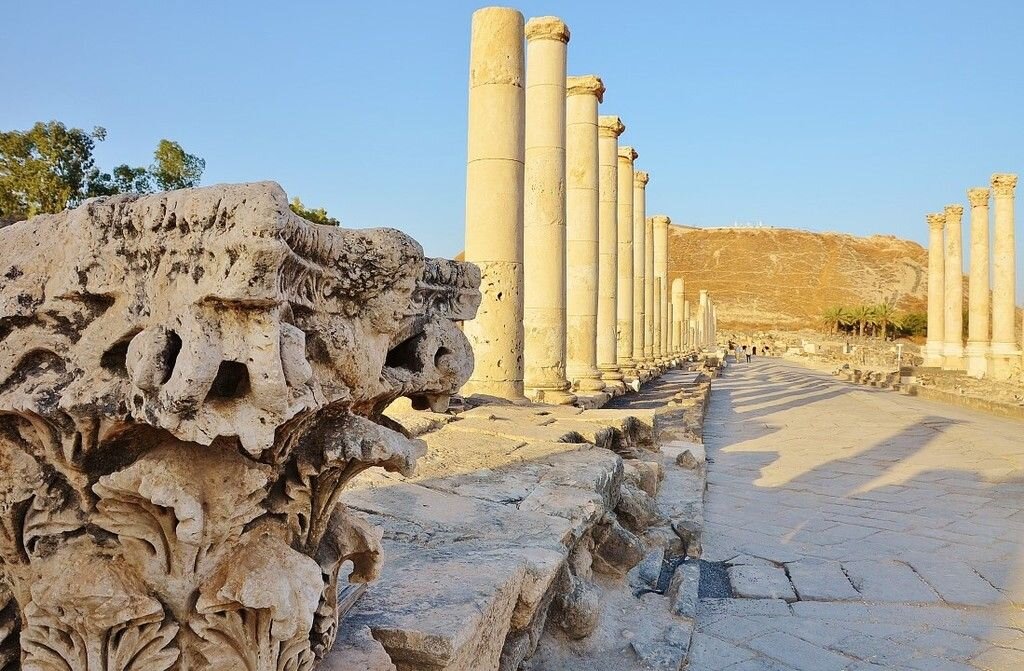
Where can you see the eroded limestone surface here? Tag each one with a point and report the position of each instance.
(188, 381)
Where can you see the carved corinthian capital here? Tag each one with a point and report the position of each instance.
(628, 154)
(953, 213)
(1003, 184)
(547, 28)
(640, 178)
(610, 126)
(936, 220)
(188, 381)
(584, 85)
(978, 196)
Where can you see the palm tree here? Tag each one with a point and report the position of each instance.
(885, 314)
(833, 317)
(861, 316)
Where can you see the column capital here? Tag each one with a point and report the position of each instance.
(978, 196)
(936, 221)
(661, 220)
(1003, 184)
(628, 153)
(640, 178)
(547, 28)
(955, 211)
(585, 85)
(609, 125)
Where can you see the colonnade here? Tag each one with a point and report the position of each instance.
(576, 301)
(993, 348)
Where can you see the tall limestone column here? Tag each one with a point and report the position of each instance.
(932, 351)
(656, 335)
(694, 333)
(953, 343)
(640, 344)
(663, 329)
(670, 320)
(650, 297)
(544, 212)
(609, 128)
(494, 200)
(687, 338)
(703, 319)
(1004, 352)
(979, 302)
(582, 227)
(679, 314)
(625, 315)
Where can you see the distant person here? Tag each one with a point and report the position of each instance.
(746, 353)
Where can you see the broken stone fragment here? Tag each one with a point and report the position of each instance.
(188, 382)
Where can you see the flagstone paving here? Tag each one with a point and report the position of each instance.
(898, 524)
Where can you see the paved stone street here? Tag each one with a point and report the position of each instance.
(859, 529)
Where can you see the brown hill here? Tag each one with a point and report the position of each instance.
(784, 279)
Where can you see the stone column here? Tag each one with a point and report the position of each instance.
(680, 316)
(609, 128)
(669, 319)
(583, 230)
(656, 335)
(694, 336)
(650, 298)
(494, 200)
(664, 328)
(625, 315)
(932, 351)
(640, 346)
(1005, 351)
(544, 212)
(979, 302)
(687, 338)
(703, 319)
(953, 343)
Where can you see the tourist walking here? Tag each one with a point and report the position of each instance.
(747, 353)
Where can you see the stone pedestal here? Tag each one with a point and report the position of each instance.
(641, 345)
(979, 302)
(1005, 352)
(626, 316)
(583, 230)
(544, 213)
(494, 200)
(932, 351)
(953, 342)
(609, 128)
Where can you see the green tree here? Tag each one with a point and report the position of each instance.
(317, 216)
(884, 314)
(834, 317)
(861, 316)
(174, 168)
(913, 324)
(46, 169)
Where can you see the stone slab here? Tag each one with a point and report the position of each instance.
(889, 581)
(820, 580)
(761, 582)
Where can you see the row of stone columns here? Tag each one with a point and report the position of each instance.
(991, 352)
(574, 274)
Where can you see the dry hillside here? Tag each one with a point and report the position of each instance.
(784, 279)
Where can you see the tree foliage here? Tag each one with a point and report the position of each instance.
(317, 216)
(175, 168)
(51, 167)
(47, 168)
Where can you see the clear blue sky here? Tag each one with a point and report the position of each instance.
(849, 116)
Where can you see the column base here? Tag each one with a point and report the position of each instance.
(932, 354)
(587, 381)
(1002, 364)
(612, 377)
(504, 389)
(550, 396)
(976, 355)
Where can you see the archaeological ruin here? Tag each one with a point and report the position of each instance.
(236, 439)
